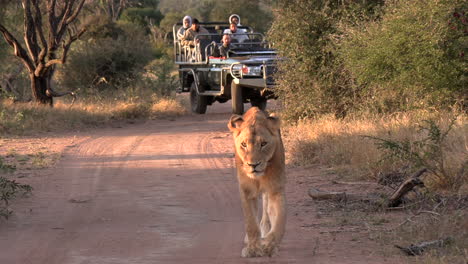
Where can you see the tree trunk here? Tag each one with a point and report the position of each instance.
(39, 87)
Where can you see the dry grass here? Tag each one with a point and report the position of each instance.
(443, 223)
(341, 143)
(30, 118)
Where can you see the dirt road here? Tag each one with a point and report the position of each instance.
(159, 192)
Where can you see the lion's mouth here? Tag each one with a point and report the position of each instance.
(256, 173)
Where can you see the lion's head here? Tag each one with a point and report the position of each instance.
(256, 138)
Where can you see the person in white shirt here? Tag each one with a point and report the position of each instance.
(235, 18)
(235, 33)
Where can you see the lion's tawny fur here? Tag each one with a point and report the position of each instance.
(260, 166)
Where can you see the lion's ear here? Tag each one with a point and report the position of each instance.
(274, 123)
(235, 122)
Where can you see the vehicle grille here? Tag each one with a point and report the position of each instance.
(270, 71)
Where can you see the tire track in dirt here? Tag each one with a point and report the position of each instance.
(159, 192)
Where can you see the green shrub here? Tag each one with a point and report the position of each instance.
(141, 16)
(430, 152)
(312, 79)
(111, 57)
(412, 57)
(9, 189)
(159, 74)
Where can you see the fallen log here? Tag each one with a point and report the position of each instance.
(416, 250)
(317, 194)
(323, 195)
(406, 187)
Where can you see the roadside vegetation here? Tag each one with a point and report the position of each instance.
(368, 89)
(119, 70)
(375, 91)
(371, 87)
(365, 148)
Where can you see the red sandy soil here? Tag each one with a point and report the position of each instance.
(162, 191)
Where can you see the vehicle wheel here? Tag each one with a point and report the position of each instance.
(198, 103)
(259, 102)
(237, 101)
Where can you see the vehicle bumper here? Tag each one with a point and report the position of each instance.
(258, 83)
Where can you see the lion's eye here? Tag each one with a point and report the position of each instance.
(243, 145)
(263, 143)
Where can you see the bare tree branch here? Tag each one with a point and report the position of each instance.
(62, 25)
(66, 47)
(18, 50)
(30, 31)
(38, 22)
(77, 11)
(40, 55)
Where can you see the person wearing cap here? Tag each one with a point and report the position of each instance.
(236, 34)
(235, 18)
(189, 36)
(186, 24)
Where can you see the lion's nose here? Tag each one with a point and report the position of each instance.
(253, 165)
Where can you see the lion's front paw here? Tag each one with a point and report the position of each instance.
(268, 246)
(251, 251)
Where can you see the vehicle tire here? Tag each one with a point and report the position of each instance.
(237, 101)
(198, 103)
(259, 102)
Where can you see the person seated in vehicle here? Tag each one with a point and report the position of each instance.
(236, 34)
(189, 36)
(186, 24)
(235, 18)
(222, 50)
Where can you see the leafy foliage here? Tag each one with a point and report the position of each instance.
(141, 16)
(378, 56)
(306, 33)
(159, 72)
(9, 189)
(412, 57)
(108, 58)
(428, 152)
(255, 14)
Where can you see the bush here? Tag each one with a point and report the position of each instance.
(430, 152)
(9, 189)
(379, 56)
(404, 142)
(141, 16)
(312, 79)
(160, 75)
(412, 57)
(111, 57)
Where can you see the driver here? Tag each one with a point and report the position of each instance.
(223, 50)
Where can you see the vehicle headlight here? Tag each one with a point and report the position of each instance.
(251, 70)
(239, 70)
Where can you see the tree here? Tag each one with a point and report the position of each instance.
(42, 54)
(114, 8)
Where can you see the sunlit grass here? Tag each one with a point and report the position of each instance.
(341, 143)
(30, 118)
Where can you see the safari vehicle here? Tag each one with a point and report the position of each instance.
(244, 75)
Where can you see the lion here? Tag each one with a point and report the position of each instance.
(260, 162)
